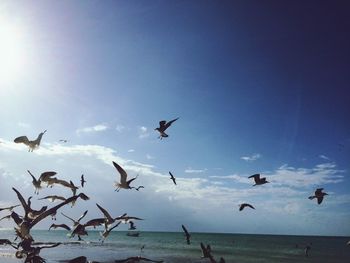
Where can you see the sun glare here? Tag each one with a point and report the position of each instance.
(11, 52)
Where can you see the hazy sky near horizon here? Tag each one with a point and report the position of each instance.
(259, 86)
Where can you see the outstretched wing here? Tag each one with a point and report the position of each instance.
(46, 175)
(170, 122)
(249, 205)
(256, 177)
(319, 199)
(23, 202)
(105, 213)
(172, 178)
(68, 218)
(22, 139)
(162, 124)
(61, 225)
(95, 222)
(123, 174)
(82, 216)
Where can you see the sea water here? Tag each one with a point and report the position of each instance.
(172, 247)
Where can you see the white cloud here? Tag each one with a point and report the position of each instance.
(96, 128)
(324, 157)
(119, 128)
(143, 132)
(149, 157)
(195, 171)
(131, 150)
(251, 158)
(23, 124)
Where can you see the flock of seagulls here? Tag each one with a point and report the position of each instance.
(24, 223)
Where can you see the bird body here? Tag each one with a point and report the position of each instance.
(163, 125)
(123, 183)
(258, 180)
(31, 144)
(242, 206)
(319, 195)
(172, 178)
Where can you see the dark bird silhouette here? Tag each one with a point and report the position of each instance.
(123, 184)
(10, 208)
(53, 198)
(82, 180)
(206, 251)
(139, 187)
(64, 141)
(242, 206)
(137, 259)
(163, 125)
(54, 226)
(31, 144)
(44, 177)
(187, 235)
(319, 195)
(132, 225)
(172, 177)
(76, 222)
(258, 180)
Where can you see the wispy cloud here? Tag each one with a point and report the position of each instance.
(195, 171)
(92, 129)
(149, 157)
(119, 128)
(324, 157)
(251, 158)
(131, 150)
(143, 132)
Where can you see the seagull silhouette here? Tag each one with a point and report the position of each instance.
(31, 144)
(258, 180)
(123, 184)
(172, 177)
(187, 235)
(82, 180)
(319, 195)
(163, 125)
(242, 206)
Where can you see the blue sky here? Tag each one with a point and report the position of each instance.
(260, 87)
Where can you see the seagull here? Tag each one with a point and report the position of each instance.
(10, 208)
(123, 184)
(54, 226)
(188, 236)
(206, 251)
(319, 195)
(44, 177)
(76, 222)
(242, 206)
(258, 180)
(172, 177)
(31, 144)
(53, 198)
(82, 180)
(163, 125)
(64, 141)
(107, 231)
(137, 259)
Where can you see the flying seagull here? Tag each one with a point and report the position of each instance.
(242, 206)
(188, 236)
(82, 180)
(31, 144)
(62, 140)
(53, 198)
(123, 184)
(45, 177)
(163, 125)
(319, 195)
(172, 177)
(258, 180)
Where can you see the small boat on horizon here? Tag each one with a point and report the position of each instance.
(133, 234)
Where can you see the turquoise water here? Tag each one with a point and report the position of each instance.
(172, 248)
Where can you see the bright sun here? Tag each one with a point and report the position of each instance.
(11, 52)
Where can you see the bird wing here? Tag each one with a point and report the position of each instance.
(117, 224)
(5, 217)
(34, 179)
(249, 205)
(123, 174)
(256, 177)
(54, 209)
(95, 222)
(82, 216)
(319, 199)
(22, 139)
(68, 217)
(46, 175)
(162, 124)
(106, 214)
(169, 123)
(172, 177)
(23, 202)
(61, 225)
(185, 230)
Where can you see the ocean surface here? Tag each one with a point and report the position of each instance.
(172, 247)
